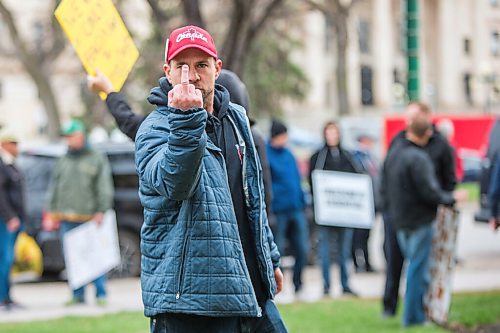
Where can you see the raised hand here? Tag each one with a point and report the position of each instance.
(185, 96)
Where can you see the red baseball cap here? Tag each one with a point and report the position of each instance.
(188, 37)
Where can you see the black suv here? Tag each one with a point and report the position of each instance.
(38, 163)
(484, 181)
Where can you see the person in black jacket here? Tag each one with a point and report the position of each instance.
(442, 158)
(412, 194)
(11, 212)
(333, 157)
(128, 121)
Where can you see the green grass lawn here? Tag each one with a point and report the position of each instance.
(342, 316)
(472, 190)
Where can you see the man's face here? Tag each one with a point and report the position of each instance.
(10, 147)
(75, 141)
(203, 71)
(280, 140)
(332, 136)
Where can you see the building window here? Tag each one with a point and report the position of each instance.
(495, 43)
(467, 88)
(364, 36)
(467, 46)
(366, 85)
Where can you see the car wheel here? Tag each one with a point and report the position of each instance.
(130, 253)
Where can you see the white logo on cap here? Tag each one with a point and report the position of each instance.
(191, 34)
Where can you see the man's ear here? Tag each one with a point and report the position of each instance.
(218, 67)
(166, 69)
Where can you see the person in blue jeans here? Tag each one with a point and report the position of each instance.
(81, 190)
(288, 200)
(11, 212)
(333, 157)
(412, 194)
(494, 193)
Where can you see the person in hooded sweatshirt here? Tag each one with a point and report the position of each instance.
(334, 158)
(288, 200)
(209, 261)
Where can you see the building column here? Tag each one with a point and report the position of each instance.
(449, 52)
(383, 50)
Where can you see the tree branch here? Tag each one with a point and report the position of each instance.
(159, 15)
(317, 6)
(192, 13)
(58, 39)
(259, 23)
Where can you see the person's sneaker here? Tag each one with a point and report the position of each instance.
(349, 292)
(74, 301)
(5, 306)
(101, 301)
(14, 305)
(388, 314)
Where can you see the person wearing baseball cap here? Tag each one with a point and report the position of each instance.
(209, 261)
(11, 211)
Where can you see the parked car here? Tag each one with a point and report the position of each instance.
(493, 150)
(38, 163)
(471, 163)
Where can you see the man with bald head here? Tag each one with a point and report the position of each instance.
(412, 193)
(442, 158)
(209, 261)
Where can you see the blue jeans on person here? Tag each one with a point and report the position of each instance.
(416, 246)
(7, 242)
(270, 322)
(295, 222)
(99, 283)
(342, 238)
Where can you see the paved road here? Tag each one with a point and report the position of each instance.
(479, 269)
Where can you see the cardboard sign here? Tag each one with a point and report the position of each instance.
(442, 265)
(100, 38)
(91, 250)
(343, 199)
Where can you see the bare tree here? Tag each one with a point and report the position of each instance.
(248, 19)
(337, 12)
(37, 62)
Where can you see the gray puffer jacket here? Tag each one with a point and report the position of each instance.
(192, 258)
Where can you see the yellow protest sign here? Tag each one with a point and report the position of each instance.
(100, 38)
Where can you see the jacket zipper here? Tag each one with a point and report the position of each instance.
(183, 255)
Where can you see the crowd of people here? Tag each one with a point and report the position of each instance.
(221, 204)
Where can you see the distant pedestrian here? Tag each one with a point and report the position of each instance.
(494, 194)
(412, 193)
(443, 161)
(334, 158)
(81, 191)
(364, 156)
(288, 200)
(11, 212)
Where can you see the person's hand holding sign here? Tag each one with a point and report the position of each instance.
(185, 96)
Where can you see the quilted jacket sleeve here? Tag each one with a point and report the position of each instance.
(169, 150)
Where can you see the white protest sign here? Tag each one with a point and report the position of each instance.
(343, 199)
(91, 250)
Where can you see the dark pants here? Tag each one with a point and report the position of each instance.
(270, 322)
(394, 259)
(360, 255)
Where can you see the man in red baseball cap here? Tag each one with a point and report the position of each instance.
(209, 261)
